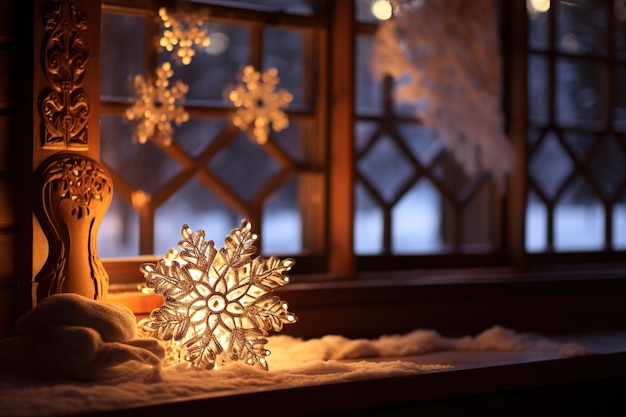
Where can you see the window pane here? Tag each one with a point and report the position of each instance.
(538, 89)
(619, 224)
(580, 91)
(619, 109)
(581, 26)
(243, 166)
(368, 92)
(119, 64)
(368, 224)
(283, 51)
(549, 165)
(579, 219)
(416, 221)
(363, 10)
(194, 205)
(536, 224)
(210, 74)
(282, 221)
(144, 167)
(117, 235)
(386, 168)
(538, 25)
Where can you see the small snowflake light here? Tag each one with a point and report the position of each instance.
(155, 106)
(218, 304)
(259, 104)
(181, 31)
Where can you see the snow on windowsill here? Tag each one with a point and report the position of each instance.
(295, 364)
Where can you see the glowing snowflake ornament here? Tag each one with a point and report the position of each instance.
(218, 304)
(155, 106)
(181, 31)
(259, 104)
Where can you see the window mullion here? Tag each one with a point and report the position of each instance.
(341, 164)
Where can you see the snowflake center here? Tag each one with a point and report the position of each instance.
(216, 303)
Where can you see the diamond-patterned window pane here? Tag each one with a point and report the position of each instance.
(281, 215)
(291, 140)
(416, 221)
(608, 167)
(368, 224)
(536, 224)
(579, 219)
(196, 134)
(579, 142)
(144, 166)
(580, 92)
(386, 167)
(194, 205)
(422, 141)
(549, 165)
(363, 132)
(244, 166)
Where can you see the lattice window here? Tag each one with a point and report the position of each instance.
(212, 175)
(577, 127)
(411, 196)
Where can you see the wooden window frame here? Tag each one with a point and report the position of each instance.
(341, 262)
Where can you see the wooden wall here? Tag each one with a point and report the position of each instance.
(7, 212)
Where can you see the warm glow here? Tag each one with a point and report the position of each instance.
(381, 9)
(218, 303)
(139, 199)
(538, 6)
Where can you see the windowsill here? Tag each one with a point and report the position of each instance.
(535, 383)
(544, 301)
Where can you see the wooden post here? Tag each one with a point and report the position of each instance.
(341, 156)
(72, 191)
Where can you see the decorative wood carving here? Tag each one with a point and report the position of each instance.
(64, 105)
(76, 192)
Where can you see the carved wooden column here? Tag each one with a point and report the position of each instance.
(72, 189)
(75, 191)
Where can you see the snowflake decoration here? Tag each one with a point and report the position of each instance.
(181, 31)
(155, 106)
(259, 104)
(218, 304)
